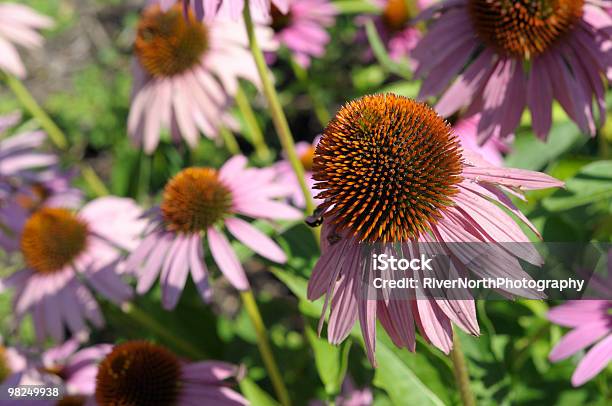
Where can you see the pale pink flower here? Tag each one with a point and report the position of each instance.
(21, 153)
(209, 9)
(591, 323)
(18, 26)
(142, 373)
(466, 129)
(302, 29)
(185, 75)
(498, 58)
(64, 366)
(286, 176)
(197, 204)
(65, 253)
(395, 25)
(350, 395)
(30, 192)
(393, 177)
(12, 363)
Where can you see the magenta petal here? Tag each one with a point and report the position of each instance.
(226, 259)
(578, 339)
(593, 362)
(255, 240)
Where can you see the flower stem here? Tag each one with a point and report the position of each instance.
(462, 376)
(229, 140)
(256, 135)
(142, 318)
(278, 115)
(56, 135)
(29, 103)
(264, 347)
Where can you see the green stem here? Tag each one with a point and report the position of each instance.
(462, 376)
(230, 141)
(56, 135)
(94, 181)
(278, 116)
(162, 331)
(256, 135)
(264, 346)
(320, 110)
(29, 103)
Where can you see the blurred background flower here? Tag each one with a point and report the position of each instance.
(302, 29)
(142, 373)
(198, 203)
(19, 25)
(186, 73)
(500, 57)
(66, 251)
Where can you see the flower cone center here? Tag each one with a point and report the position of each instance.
(396, 14)
(5, 369)
(194, 200)
(72, 400)
(387, 167)
(306, 158)
(138, 373)
(33, 198)
(52, 238)
(167, 43)
(523, 28)
(280, 21)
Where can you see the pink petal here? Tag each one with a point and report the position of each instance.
(226, 259)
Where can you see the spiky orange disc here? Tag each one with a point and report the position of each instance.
(72, 400)
(52, 238)
(5, 368)
(396, 14)
(194, 200)
(138, 373)
(387, 166)
(523, 28)
(167, 44)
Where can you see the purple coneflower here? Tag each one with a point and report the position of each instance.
(64, 366)
(30, 192)
(21, 153)
(12, 363)
(197, 204)
(64, 253)
(394, 25)
(591, 321)
(467, 132)
(18, 26)
(286, 176)
(142, 373)
(505, 55)
(185, 73)
(302, 28)
(391, 172)
(209, 9)
(350, 395)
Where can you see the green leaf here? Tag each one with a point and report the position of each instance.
(400, 382)
(591, 184)
(529, 152)
(297, 285)
(256, 395)
(331, 361)
(356, 7)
